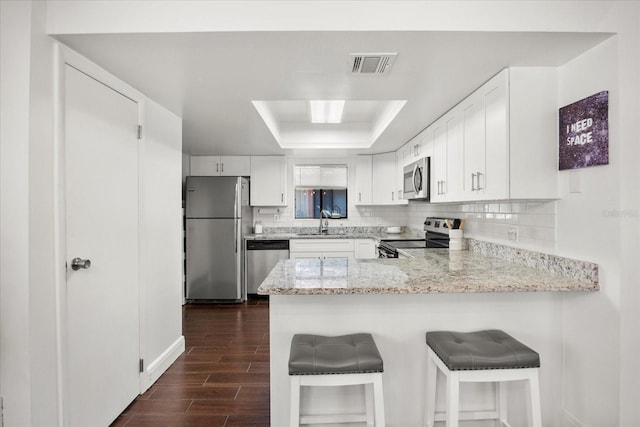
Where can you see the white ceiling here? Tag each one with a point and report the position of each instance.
(210, 79)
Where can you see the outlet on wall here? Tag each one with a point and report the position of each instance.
(379, 221)
(513, 234)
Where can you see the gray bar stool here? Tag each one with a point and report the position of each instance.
(353, 359)
(482, 356)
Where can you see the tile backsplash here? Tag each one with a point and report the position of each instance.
(359, 216)
(524, 224)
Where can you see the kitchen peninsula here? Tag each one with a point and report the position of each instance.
(398, 300)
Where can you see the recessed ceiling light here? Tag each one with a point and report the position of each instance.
(326, 111)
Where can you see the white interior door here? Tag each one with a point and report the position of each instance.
(101, 178)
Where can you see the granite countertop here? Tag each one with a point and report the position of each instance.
(377, 235)
(430, 271)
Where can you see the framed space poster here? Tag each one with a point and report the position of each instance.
(584, 132)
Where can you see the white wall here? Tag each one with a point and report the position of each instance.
(589, 226)
(42, 239)
(28, 347)
(15, 374)
(161, 228)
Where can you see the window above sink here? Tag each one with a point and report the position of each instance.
(321, 190)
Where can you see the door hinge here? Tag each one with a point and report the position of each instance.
(139, 131)
(141, 365)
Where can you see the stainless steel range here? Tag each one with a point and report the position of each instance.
(436, 236)
(436, 231)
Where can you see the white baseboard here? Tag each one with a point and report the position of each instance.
(156, 368)
(569, 420)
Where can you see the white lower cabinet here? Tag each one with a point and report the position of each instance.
(365, 249)
(332, 248)
(321, 248)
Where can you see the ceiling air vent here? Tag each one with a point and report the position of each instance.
(371, 63)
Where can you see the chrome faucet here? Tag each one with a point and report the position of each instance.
(324, 227)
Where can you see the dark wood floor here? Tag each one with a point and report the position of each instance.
(222, 379)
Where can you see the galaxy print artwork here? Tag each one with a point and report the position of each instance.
(584, 132)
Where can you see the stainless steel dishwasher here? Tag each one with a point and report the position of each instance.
(262, 256)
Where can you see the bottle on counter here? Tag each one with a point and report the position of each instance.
(257, 227)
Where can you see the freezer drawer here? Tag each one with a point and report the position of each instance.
(213, 260)
(262, 256)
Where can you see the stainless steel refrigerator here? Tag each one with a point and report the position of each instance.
(217, 214)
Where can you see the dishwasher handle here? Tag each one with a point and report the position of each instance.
(267, 245)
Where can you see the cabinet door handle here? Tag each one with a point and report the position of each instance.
(359, 196)
(393, 196)
(282, 197)
(473, 185)
(478, 186)
(217, 167)
(221, 167)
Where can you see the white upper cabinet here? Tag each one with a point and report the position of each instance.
(383, 179)
(220, 166)
(509, 136)
(495, 185)
(439, 182)
(473, 143)
(399, 180)
(500, 142)
(533, 133)
(363, 187)
(446, 160)
(377, 180)
(415, 149)
(268, 181)
(452, 187)
(321, 176)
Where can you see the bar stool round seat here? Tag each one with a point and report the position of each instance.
(354, 359)
(482, 356)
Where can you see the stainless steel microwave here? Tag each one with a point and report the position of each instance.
(416, 179)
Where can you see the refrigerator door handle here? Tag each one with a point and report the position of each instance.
(235, 205)
(235, 233)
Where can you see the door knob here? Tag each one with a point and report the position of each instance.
(78, 263)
